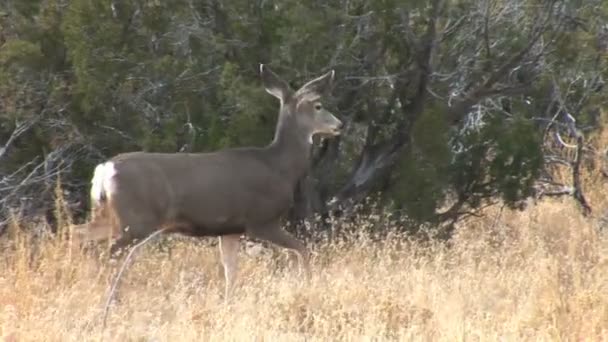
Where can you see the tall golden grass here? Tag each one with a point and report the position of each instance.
(540, 274)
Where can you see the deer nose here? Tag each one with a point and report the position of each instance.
(340, 124)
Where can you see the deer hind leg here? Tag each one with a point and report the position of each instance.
(100, 227)
(93, 231)
(134, 223)
(275, 234)
(133, 231)
(229, 249)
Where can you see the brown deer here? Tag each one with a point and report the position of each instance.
(226, 193)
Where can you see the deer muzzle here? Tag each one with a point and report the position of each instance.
(334, 125)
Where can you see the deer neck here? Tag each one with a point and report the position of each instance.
(290, 149)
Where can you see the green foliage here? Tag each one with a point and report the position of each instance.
(422, 177)
(20, 53)
(252, 120)
(503, 159)
(517, 159)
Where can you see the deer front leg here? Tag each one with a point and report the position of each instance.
(275, 234)
(229, 249)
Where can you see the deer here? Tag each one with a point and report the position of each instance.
(226, 194)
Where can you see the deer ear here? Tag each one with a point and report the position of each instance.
(320, 85)
(273, 84)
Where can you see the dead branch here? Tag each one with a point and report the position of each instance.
(576, 177)
(20, 128)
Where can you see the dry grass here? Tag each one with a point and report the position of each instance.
(533, 275)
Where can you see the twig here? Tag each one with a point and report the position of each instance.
(17, 132)
(557, 193)
(576, 177)
(122, 269)
(120, 133)
(562, 142)
(497, 218)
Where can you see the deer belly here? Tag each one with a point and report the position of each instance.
(203, 231)
(202, 228)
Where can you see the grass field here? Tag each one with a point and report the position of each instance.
(540, 275)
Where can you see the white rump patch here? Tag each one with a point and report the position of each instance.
(103, 181)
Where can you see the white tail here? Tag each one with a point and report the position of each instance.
(102, 184)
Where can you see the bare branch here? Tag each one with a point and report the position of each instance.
(561, 141)
(20, 128)
(576, 177)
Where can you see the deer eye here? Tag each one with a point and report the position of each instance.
(318, 106)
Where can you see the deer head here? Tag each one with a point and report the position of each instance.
(304, 107)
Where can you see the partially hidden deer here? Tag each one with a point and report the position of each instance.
(227, 193)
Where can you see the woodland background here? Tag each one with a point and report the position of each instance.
(483, 121)
(450, 105)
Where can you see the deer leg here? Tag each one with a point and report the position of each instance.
(282, 238)
(133, 222)
(130, 236)
(229, 249)
(119, 245)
